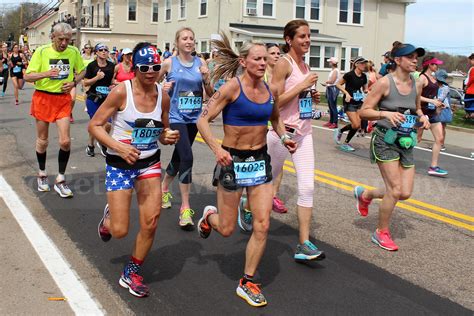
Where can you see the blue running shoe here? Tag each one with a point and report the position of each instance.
(244, 218)
(346, 148)
(337, 136)
(307, 252)
(437, 172)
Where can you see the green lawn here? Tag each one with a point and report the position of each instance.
(460, 121)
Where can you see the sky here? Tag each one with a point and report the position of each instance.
(439, 25)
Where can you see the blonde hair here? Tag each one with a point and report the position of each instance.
(178, 34)
(227, 60)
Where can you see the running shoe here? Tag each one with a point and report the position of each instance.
(308, 251)
(437, 172)
(204, 228)
(337, 136)
(327, 124)
(63, 190)
(332, 125)
(362, 204)
(443, 148)
(244, 218)
(103, 149)
(346, 147)
(104, 233)
(43, 184)
(90, 151)
(166, 200)
(383, 239)
(2, 94)
(251, 293)
(316, 114)
(186, 219)
(17, 103)
(279, 205)
(134, 283)
(71, 119)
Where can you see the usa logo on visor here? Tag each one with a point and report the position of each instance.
(146, 56)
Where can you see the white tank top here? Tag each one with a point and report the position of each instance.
(144, 136)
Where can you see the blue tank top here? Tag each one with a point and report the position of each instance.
(244, 112)
(186, 94)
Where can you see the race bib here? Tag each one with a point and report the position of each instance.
(102, 90)
(145, 134)
(16, 69)
(62, 65)
(305, 104)
(189, 102)
(431, 106)
(5, 66)
(410, 121)
(250, 173)
(358, 96)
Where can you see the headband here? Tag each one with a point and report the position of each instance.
(147, 55)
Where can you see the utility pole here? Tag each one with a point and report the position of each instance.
(21, 18)
(78, 23)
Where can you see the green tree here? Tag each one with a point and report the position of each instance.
(25, 13)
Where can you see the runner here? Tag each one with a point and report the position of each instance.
(293, 79)
(187, 77)
(246, 103)
(87, 55)
(17, 66)
(397, 96)
(244, 218)
(5, 67)
(98, 79)
(123, 71)
(431, 106)
(354, 90)
(332, 92)
(52, 69)
(139, 112)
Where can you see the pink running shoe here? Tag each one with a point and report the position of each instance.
(279, 206)
(362, 204)
(384, 240)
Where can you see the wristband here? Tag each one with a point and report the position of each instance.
(283, 138)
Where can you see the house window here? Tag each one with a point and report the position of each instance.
(315, 56)
(252, 4)
(91, 21)
(203, 46)
(154, 11)
(308, 9)
(98, 14)
(182, 9)
(203, 7)
(347, 55)
(167, 10)
(329, 52)
(106, 14)
(267, 8)
(350, 11)
(132, 10)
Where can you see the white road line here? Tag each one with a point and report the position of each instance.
(65, 277)
(420, 148)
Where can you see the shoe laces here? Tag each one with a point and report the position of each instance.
(43, 180)
(310, 245)
(62, 186)
(385, 235)
(187, 213)
(167, 196)
(253, 287)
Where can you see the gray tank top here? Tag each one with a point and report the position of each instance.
(396, 102)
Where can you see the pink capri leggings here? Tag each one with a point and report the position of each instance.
(303, 160)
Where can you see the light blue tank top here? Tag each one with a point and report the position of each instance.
(186, 93)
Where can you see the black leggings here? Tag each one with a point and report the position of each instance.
(5, 79)
(182, 160)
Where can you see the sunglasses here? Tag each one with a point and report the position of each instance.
(146, 68)
(87, 47)
(102, 50)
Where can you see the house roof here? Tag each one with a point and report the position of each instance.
(42, 18)
(277, 32)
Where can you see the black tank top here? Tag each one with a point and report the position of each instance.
(430, 91)
(16, 60)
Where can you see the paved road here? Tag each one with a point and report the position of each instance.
(432, 273)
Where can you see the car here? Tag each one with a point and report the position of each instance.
(457, 97)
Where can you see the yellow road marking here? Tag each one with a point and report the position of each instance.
(322, 176)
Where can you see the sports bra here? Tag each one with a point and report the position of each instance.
(244, 112)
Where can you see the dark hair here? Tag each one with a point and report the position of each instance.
(392, 65)
(270, 45)
(138, 47)
(396, 43)
(290, 31)
(426, 58)
(471, 56)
